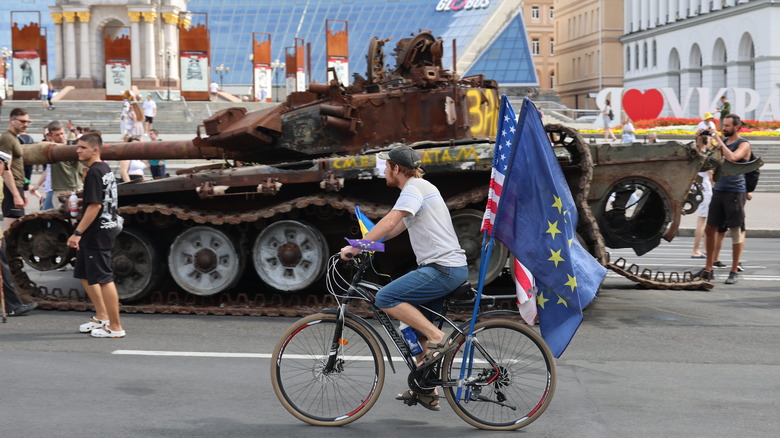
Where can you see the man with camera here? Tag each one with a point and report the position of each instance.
(727, 207)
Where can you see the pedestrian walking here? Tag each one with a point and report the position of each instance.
(94, 237)
(606, 116)
(44, 87)
(150, 112)
(214, 89)
(724, 108)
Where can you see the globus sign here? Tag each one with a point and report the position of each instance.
(461, 5)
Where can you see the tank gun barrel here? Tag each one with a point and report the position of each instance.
(43, 153)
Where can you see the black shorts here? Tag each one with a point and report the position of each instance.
(8, 203)
(94, 265)
(727, 210)
(148, 119)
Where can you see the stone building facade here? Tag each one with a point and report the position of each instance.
(80, 27)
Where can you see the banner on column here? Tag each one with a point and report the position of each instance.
(3, 78)
(195, 70)
(27, 70)
(118, 77)
(262, 83)
(261, 60)
(341, 66)
(337, 47)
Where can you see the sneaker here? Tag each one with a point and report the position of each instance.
(704, 275)
(92, 324)
(719, 264)
(24, 308)
(739, 267)
(105, 332)
(733, 278)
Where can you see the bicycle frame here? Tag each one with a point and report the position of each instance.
(366, 291)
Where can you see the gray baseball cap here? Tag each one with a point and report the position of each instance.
(403, 155)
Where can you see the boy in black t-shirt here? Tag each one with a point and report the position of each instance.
(94, 237)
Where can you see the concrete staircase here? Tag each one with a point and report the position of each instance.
(172, 117)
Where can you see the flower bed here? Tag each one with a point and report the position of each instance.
(666, 126)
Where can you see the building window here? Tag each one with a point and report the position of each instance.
(628, 58)
(644, 55)
(552, 79)
(552, 46)
(655, 55)
(535, 12)
(552, 14)
(535, 46)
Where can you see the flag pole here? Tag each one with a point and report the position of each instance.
(468, 354)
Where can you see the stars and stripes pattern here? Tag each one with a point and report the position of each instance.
(524, 281)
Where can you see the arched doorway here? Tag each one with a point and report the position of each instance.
(112, 27)
(695, 78)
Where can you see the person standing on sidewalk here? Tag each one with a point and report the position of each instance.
(157, 167)
(14, 198)
(94, 238)
(727, 207)
(150, 112)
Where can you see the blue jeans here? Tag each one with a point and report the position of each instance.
(48, 201)
(421, 286)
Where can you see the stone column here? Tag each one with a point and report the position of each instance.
(705, 6)
(635, 15)
(150, 48)
(653, 14)
(58, 68)
(171, 20)
(69, 60)
(85, 51)
(135, 44)
(663, 7)
(716, 6)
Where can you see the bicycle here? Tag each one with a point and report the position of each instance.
(328, 368)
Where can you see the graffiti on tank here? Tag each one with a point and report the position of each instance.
(483, 113)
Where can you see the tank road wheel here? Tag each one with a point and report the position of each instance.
(289, 255)
(205, 261)
(42, 243)
(136, 263)
(467, 223)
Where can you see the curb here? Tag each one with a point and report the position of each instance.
(772, 234)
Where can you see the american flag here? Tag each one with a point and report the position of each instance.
(524, 281)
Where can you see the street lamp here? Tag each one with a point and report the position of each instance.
(276, 66)
(222, 71)
(168, 56)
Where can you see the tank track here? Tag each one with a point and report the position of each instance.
(179, 302)
(650, 279)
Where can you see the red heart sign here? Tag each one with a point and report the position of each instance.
(643, 106)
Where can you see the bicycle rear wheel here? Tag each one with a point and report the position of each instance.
(511, 395)
(337, 397)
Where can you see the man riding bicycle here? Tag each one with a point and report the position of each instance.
(442, 265)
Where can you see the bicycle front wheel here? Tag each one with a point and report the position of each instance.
(327, 398)
(514, 392)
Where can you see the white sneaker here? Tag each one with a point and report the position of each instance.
(105, 332)
(92, 324)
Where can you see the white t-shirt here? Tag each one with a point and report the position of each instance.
(214, 87)
(429, 224)
(44, 89)
(136, 167)
(705, 125)
(149, 108)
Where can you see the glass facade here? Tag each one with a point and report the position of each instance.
(28, 5)
(507, 59)
(232, 22)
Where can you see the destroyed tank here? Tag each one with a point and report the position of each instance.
(281, 198)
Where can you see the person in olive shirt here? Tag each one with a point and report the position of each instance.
(725, 109)
(63, 177)
(14, 198)
(94, 237)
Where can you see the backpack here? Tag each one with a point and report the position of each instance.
(751, 178)
(610, 115)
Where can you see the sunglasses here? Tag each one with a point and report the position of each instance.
(23, 121)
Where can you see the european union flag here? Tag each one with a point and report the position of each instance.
(537, 221)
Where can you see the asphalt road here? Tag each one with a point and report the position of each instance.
(644, 363)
